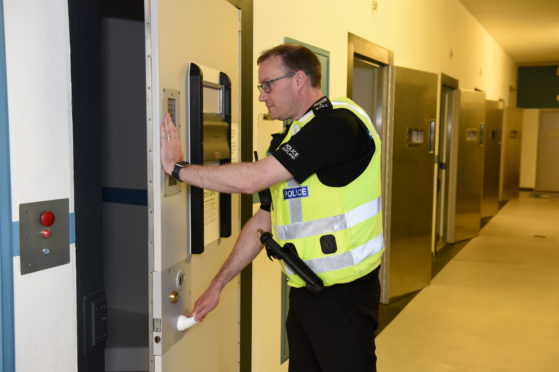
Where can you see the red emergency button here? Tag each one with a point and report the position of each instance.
(47, 218)
(46, 233)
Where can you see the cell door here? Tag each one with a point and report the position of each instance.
(547, 172)
(448, 116)
(413, 176)
(178, 34)
(492, 158)
(510, 153)
(466, 168)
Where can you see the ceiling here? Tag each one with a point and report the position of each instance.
(528, 30)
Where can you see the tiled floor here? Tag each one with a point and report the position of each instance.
(493, 308)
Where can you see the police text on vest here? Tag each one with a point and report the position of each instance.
(297, 192)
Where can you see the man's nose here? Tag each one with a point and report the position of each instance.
(262, 96)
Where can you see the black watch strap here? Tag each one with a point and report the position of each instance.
(177, 169)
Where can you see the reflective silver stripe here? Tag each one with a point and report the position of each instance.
(363, 212)
(306, 116)
(344, 260)
(295, 205)
(295, 130)
(298, 230)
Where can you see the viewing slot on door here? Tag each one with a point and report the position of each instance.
(209, 125)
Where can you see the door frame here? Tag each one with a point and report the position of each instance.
(364, 49)
(247, 91)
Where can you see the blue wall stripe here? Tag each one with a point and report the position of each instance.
(7, 344)
(125, 196)
(72, 228)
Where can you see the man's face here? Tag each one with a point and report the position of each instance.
(280, 100)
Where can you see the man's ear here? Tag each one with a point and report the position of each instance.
(300, 78)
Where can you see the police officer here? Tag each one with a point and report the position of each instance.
(323, 173)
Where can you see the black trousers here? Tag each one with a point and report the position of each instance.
(334, 331)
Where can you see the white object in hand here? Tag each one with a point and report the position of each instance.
(183, 323)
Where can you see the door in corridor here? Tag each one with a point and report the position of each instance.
(547, 171)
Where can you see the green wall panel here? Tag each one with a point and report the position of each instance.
(538, 87)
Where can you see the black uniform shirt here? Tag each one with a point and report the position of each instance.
(334, 144)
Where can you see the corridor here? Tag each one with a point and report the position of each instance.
(494, 307)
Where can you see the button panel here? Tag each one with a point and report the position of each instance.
(44, 234)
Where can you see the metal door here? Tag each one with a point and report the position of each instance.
(448, 118)
(177, 33)
(510, 153)
(547, 171)
(492, 158)
(466, 168)
(413, 172)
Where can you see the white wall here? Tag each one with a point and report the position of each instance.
(39, 99)
(420, 33)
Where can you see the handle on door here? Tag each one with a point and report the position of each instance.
(183, 323)
(174, 297)
(432, 132)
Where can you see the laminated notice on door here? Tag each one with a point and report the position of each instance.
(211, 216)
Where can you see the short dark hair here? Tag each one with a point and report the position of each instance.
(296, 58)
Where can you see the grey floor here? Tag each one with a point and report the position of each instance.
(493, 307)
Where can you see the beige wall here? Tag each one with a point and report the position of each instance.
(421, 34)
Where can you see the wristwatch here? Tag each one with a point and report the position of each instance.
(177, 169)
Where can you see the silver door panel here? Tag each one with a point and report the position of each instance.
(492, 158)
(466, 168)
(510, 153)
(413, 171)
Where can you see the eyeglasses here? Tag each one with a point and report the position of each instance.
(266, 86)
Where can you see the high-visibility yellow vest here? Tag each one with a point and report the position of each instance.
(312, 216)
